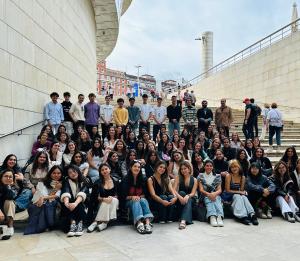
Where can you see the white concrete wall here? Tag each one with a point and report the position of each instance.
(45, 46)
(271, 75)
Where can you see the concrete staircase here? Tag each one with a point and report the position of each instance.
(289, 137)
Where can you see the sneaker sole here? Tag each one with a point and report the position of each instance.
(78, 234)
(71, 234)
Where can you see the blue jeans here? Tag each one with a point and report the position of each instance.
(214, 208)
(93, 174)
(274, 130)
(23, 200)
(173, 126)
(186, 211)
(139, 209)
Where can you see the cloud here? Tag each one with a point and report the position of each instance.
(159, 35)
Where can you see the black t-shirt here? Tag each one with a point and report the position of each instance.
(66, 107)
(252, 113)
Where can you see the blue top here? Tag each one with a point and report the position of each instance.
(54, 113)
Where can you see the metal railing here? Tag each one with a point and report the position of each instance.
(20, 131)
(245, 53)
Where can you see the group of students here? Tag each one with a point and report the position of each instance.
(88, 180)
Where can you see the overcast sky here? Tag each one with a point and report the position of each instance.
(159, 34)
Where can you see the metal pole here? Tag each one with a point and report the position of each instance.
(138, 77)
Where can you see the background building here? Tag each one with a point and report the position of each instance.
(48, 46)
(169, 86)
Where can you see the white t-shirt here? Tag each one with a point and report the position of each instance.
(77, 109)
(146, 109)
(160, 113)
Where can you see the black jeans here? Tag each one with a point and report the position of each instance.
(142, 125)
(156, 129)
(164, 213)
(185, 211)
(255, 125)
(248, 130)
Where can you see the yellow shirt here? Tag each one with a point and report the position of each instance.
(121, 116)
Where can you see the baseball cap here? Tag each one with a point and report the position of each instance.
(246, 99)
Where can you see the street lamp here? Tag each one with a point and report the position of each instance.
(138, 76)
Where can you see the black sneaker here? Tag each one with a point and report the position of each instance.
(245, 221)
(254, 220)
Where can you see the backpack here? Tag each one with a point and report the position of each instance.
(257, 110)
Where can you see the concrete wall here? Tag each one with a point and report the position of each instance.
(271, 75)
(45, 46)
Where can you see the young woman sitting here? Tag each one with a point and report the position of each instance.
(162, 193)
(74, 193)
(259, 189)
(7, 204)
(104, 199)
(235, 189)
(185, 189)
(133, 193)
(283, 193)
(42, 211)
(210, 189)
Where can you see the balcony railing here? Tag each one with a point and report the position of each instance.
(267, 41)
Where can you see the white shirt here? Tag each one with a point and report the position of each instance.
(106, 111)
(275, 118)
(145, 109)
(160, 113)
(77, 110)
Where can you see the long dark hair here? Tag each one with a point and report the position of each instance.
(50, 151)
(2, 173)
(109, 161)
(149, 156)
(140, 153)
(4, 164)
(128, 156)
(100, 176)
(124, 150)
(164, 177)
(97, 151)
(47, 179)
(35, 164)
(67, 151)
(139, 179)
(277, 175)
(81, 178)
(73, 158)
(294, 157)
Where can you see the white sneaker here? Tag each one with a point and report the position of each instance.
(10, 231)
(92, 227)
(102, 226)
(213, 221)
(220, 221)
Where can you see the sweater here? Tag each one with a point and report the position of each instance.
(120, 116)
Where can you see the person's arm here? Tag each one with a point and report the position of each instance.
(230, 117)
(102, 114)
(194, 189)
(150, 114)
(85, 171)
(170, 170)
(116, 118)
(90, 160)
(71, 112)
(47, 117)
(250, 186)
(172, 191)
(248, 112)
(153, 194)
(66, 159)
(58, 159)
(184, 114)
(126, 117)
(165, 116)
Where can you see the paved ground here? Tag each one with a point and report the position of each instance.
(272, 240)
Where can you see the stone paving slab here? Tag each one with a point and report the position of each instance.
(273, 239)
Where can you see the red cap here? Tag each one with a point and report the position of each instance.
(246, 99)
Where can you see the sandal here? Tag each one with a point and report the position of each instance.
(140, 228)
(182, 225)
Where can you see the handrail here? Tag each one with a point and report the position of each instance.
(20, 130)
(248, 51)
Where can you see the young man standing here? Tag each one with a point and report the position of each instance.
(66, 104)
(145, 115)
(223, 117)
(160, 115)
(77, 113)
(91, 113)
(248, 121)
(54, 112)
(189, 115)
(205, 116)
(174, 115)
(133, 114)
(106, 116)
(121, 114)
